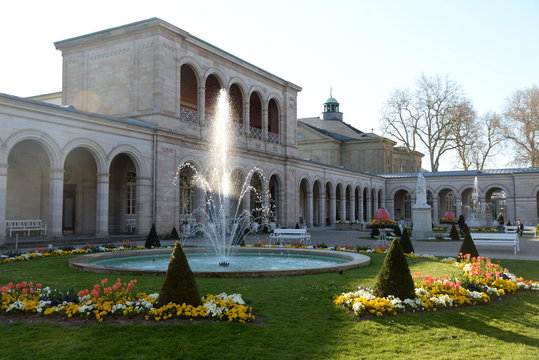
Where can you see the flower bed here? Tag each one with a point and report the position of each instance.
(117, 300)
(481, 281)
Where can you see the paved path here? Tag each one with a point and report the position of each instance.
(529, 246)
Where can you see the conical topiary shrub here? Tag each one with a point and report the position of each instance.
(394, 277)
(454, 234)
(397, 231)
(174, 234)
(374, 232)
(179, 286)
(468, 246)
(406, 243)
(152, 240)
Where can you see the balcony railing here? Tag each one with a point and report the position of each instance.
(273, 138)
(255, 133)
(189, 115)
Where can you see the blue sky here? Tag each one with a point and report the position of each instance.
(363, 49)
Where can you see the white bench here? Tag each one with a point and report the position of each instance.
(299, 235)
(528, 230)
(131, 224)
(25, 226)
(496, 239)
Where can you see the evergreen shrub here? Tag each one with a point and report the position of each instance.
(406, 243)
(152, 240)
(179, 286)
(394, 277)
(174, 234)
(454, 234)
(468, 246)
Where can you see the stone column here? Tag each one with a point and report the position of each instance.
(201, 104)
(309, 210)
(144, 205)
(246, 117)
(102, 220)
(3, 202)
(435, 210)
(352, 206)
(56, 206)
(265, 122)
(322, 207)
(343, 205)
(333, 210)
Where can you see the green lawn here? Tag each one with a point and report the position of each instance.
(299, 322)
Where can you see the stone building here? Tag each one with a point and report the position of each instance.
(108, 154)
(328, 139)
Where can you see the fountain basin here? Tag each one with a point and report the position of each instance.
(103, 262)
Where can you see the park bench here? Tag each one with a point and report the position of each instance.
(496, 239)
(528, 230)
(25, 226)
(297, 235)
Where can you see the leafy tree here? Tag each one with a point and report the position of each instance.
(394, 277)
(179, 286)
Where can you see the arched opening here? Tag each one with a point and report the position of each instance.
(466, 201)
(328, 205)
(255, 115)
(80, 193)
(213, 86)
(273, 121)
(236, 103)
(188, 192)
(188, 94)
(317, 211)
(447, 201)
(365, 201)
(28, 183)
(274, 199)
(236, 205)
(348, 200)
(338, 201)
(402, 205)
(496, 200)
(357, 200)
(303, 186)
(380, 205)
(122, 195)
(256, 197)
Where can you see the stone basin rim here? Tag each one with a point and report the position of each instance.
(86, 262)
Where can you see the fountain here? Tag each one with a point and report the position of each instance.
(476, 213)
(224, 226)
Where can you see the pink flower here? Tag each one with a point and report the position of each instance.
(95, 293)
(107, 290)
(38, 285)
(10, 285)
(5, 289)
(104, 281)
(24, 291)
(23, 284)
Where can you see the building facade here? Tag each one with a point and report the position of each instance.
(117, 149)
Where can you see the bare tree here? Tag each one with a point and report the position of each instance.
(490, 136)
(521, 125)
(465, 133)
(437, 99)
(399, 120)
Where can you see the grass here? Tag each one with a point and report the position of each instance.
(299, 322)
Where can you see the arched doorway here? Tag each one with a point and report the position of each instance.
(348, 199)
(122, 195)
(188, 192)
(213, 86)
(365, 204)
(257, 197)
(328, 220)
(496, 200)
(317, 211)
(255, 115)
(236, 106)
(80, 193)
(273, 121)
(402, 205)
(28, 182)
(447, 201)
(303, 186)
(357, 202)
(338, 201)
(274, 199)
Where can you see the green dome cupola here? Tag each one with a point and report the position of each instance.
(331, 109)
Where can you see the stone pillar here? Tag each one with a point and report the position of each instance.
(201, 104)
(309, 210)
(333, 209)
(56, 213)
(246, 118)
(435, 209)
(102, 220)
(322, 207)
(343, 205)
(3, 202)
(265, 122)
(422, 220)
(352, 206)
(144, 205)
